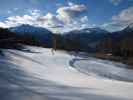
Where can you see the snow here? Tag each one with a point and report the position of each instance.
(102, 68)
(40, 75)
(131, 26)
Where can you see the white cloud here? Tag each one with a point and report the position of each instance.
(17, 20)
(3, 25)
(68, 13)
(70, 3)
(116, 2)
(67, 18)
(122, 20)
(84, 19)
(26, 19)
(49, 20)
(125, 16)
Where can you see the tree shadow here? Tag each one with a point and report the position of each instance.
(18, 85)
(85, 70)
(22, 56)
(19, 48)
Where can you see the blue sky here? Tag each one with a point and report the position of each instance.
(65, 15)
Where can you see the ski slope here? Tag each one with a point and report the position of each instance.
(40, 75)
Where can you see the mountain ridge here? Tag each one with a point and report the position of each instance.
(39, 33)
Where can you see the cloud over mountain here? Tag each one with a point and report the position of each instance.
(67, 13)
(122, 20)
(65, 17)
(125, 16)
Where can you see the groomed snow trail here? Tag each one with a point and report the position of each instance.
(39, 75)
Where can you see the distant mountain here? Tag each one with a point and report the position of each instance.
(125, 33)
(119, 43)
(93, 30)
(42, 34)
(130, 27)
(89, 39)
(86, 38)
(91, 34)
(26, 28)
(88, 31)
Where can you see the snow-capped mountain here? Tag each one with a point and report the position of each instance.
(93, 30)
(93, 34)
(125, 33)
(89, 31)
(88, 38)
(129, 28)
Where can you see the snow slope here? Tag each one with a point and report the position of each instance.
(103, 68)
(39, 75)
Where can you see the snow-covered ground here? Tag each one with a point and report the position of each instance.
(39, 75)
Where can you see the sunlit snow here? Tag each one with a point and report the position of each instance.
(40, 75)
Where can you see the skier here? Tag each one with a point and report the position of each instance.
(54, 44)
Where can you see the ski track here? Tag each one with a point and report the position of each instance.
(39, 75)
